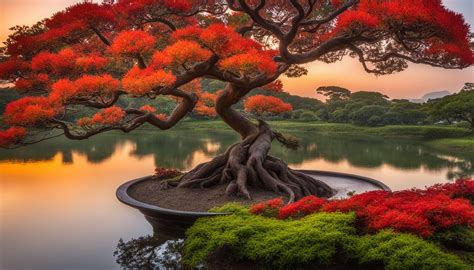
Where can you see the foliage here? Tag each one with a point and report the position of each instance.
(301, 208)
(12, 135)
(142, 81)
(90, 55)
(267, 209)
(407, 211)
(373, 108)
(132, 42)
(304, 115)
(404, 251)
(275, 86)
(149, 252)
(334, 93)
(281, 244)
(249, 63)
(166, 173)
(297, 102)
(462, 188)
(7, 95)
(30, 111)
(64, 90)
(421, 212)
(460, 238)
(368, 115)
(457, 107)
(233, 207)
(321, 240)
(109, 116)
(261, 104)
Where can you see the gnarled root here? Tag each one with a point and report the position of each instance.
(248, 164)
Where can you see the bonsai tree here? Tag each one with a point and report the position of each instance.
(90, 55)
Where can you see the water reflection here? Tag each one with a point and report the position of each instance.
(149, 252)
(185, 149)
(57, 203)
(169, 149)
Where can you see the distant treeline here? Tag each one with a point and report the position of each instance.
(342, 106)
(376, 109)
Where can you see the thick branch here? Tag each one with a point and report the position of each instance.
(187, 105)
(125, 127)
(163, 21)
(231, 95)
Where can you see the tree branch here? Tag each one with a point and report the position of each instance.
(253, 13)
(101, 37)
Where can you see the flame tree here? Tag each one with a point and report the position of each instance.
(92, 54)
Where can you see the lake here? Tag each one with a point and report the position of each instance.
(57, 198)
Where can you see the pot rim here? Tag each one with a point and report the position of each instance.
(123, 196)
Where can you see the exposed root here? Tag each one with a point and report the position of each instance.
(248, 164)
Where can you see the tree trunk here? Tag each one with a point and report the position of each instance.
(248, 163)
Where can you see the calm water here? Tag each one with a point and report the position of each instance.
(57, 199)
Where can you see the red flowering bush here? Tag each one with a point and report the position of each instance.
(462, 188)
(356, 202)
(166, 173)
(421, 212)
(11, 135)
(416, 211)
(269, 208)
(301, 208)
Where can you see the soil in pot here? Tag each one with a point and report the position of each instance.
(193, 199)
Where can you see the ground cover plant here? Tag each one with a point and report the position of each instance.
(430, 228)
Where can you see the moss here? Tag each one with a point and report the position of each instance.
(317, 239)
(175, 180)
(460, 238)
(466, 256)
(321, 240)
(233, 207)
(404, 251)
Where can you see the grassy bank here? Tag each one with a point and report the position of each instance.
(462, 145)
(405, 131)
(442, 137)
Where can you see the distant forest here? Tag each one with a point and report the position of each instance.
(341, 106)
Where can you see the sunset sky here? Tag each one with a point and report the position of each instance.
(412, 83)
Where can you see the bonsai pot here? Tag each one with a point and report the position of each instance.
(176, 221)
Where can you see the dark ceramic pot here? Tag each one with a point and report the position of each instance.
(177, 221)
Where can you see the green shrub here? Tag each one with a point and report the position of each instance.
(316, 239)
(296, 114)
(321, 240)
(233, 207)
(447, 132)
(463, 124)
(457, 238)
(306, 115)
(309, 116)
(404, 251)
(370, 115)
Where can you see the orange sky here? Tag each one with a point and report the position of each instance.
(412, 83)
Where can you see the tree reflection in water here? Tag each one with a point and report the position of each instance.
(149, 252)
(178, 148)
